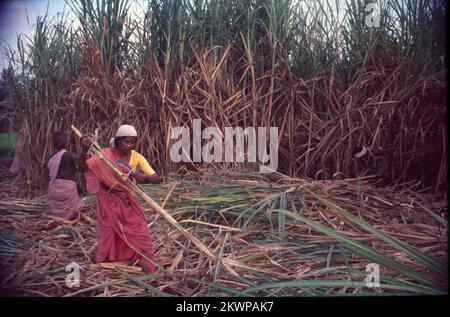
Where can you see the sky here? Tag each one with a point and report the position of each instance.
(13, 18)
(14, 21)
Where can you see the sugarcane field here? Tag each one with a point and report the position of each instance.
(223, 148)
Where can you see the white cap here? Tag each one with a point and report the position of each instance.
(126, 130)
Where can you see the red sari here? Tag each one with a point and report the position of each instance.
(123, 235)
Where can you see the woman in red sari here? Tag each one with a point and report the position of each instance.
(123, 235)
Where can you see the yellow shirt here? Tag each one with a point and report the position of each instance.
(136, 160)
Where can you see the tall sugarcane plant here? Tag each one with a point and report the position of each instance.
(315, 69)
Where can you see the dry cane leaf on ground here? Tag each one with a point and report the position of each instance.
(240, 221)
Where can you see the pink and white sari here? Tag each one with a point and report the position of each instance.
(62, 193)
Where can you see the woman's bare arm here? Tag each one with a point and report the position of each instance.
(147, 179)
(153, 179)
(82, 166)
